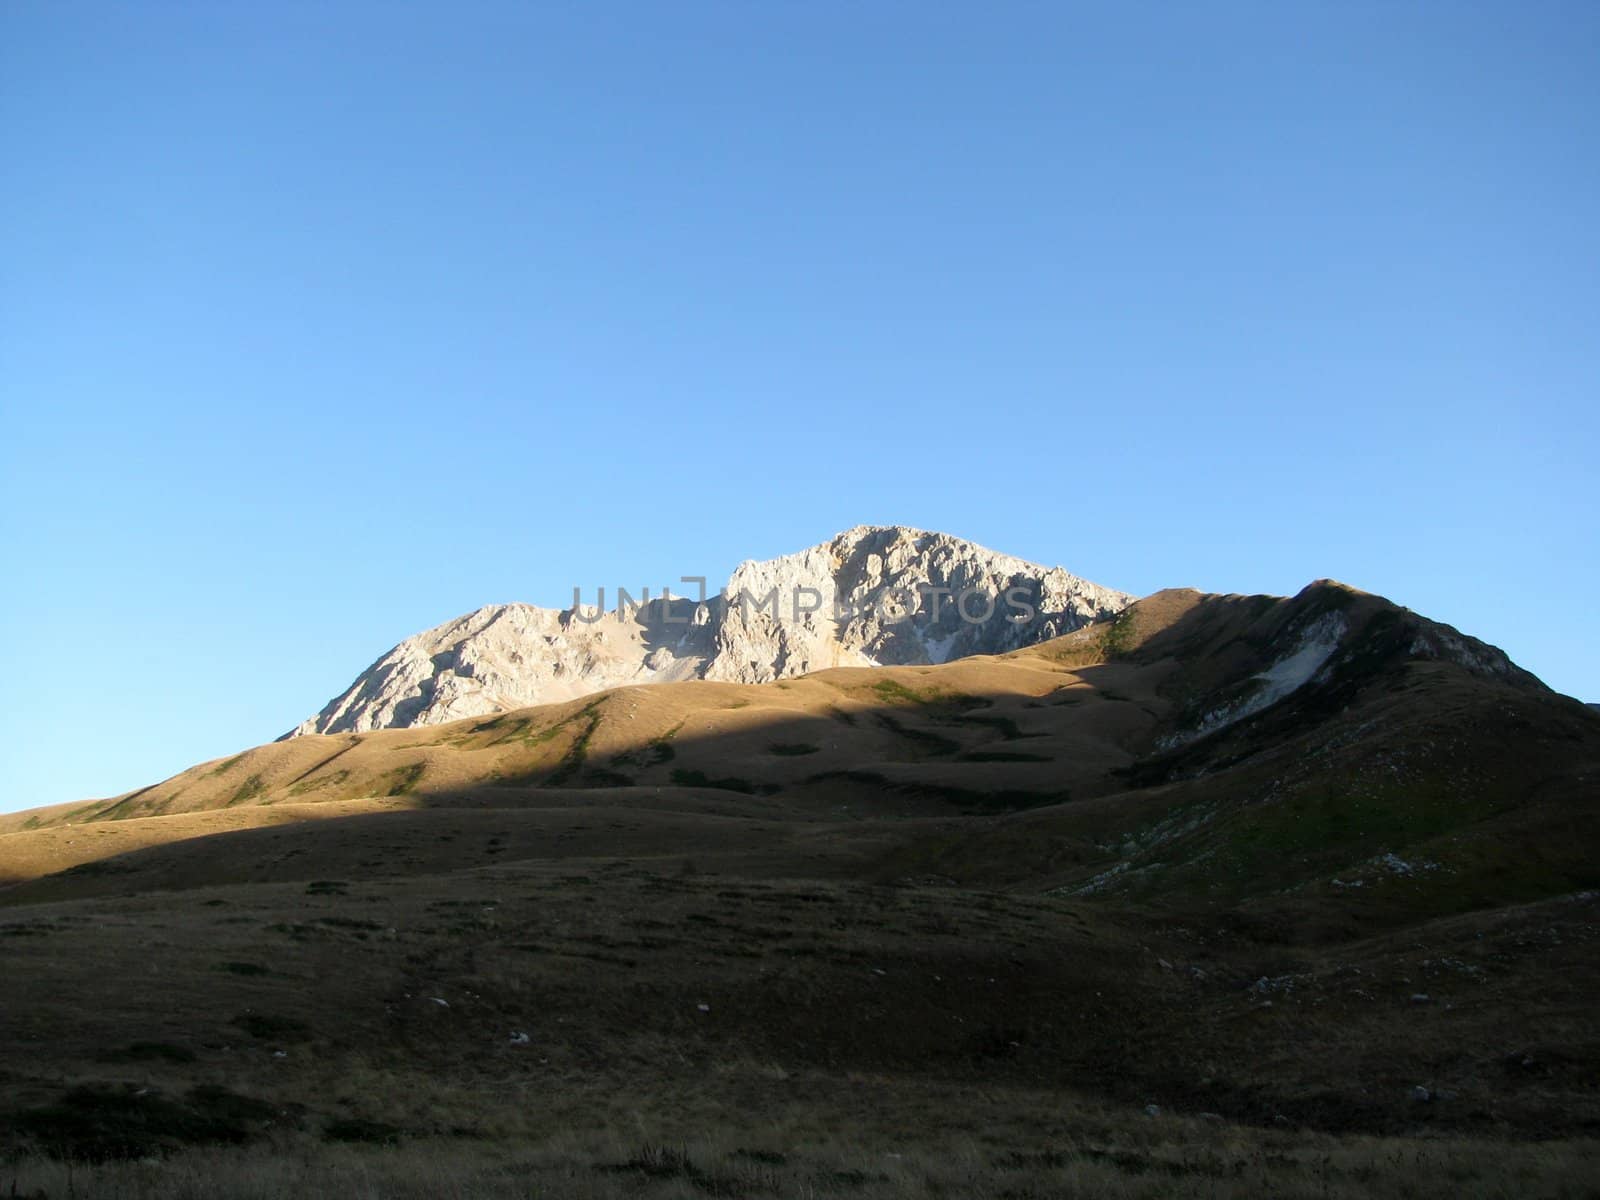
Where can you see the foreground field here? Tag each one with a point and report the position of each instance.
(1083, 1158)
(602, 1027)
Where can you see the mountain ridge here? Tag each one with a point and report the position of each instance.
(1383, 739)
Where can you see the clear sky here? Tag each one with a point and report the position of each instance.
(323, 323)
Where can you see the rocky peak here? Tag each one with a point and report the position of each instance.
(892, 595)
(872, 595)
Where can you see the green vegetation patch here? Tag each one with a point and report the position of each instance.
(1370, 819)
(126, 807)
(1118, 638)
(248, 790)
(333, 779)
(403, 780)
(223, 768)
(892, 691)
(573, 761)
(653, 753)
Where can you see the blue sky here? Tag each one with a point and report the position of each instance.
(320, 324)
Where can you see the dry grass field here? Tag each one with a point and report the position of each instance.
(1011, 927)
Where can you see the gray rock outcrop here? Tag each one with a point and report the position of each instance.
(873, 595)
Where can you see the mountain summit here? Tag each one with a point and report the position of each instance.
(873, 595)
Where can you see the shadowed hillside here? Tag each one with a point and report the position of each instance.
(1289, 868)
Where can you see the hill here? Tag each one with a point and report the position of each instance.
(1199, 748)
(1310, 876)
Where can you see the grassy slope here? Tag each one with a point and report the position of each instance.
(974, 915)
(1042, 769)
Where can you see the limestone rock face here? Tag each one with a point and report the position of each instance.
(510, 656)
(893, 596)
(872, 595)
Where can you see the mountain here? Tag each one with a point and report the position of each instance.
(1212, 884)
(872, 595)
(1195, 746)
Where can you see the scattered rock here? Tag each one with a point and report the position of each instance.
(1152, 1110)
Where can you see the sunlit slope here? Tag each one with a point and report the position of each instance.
(1330, 745)
(978, 725)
